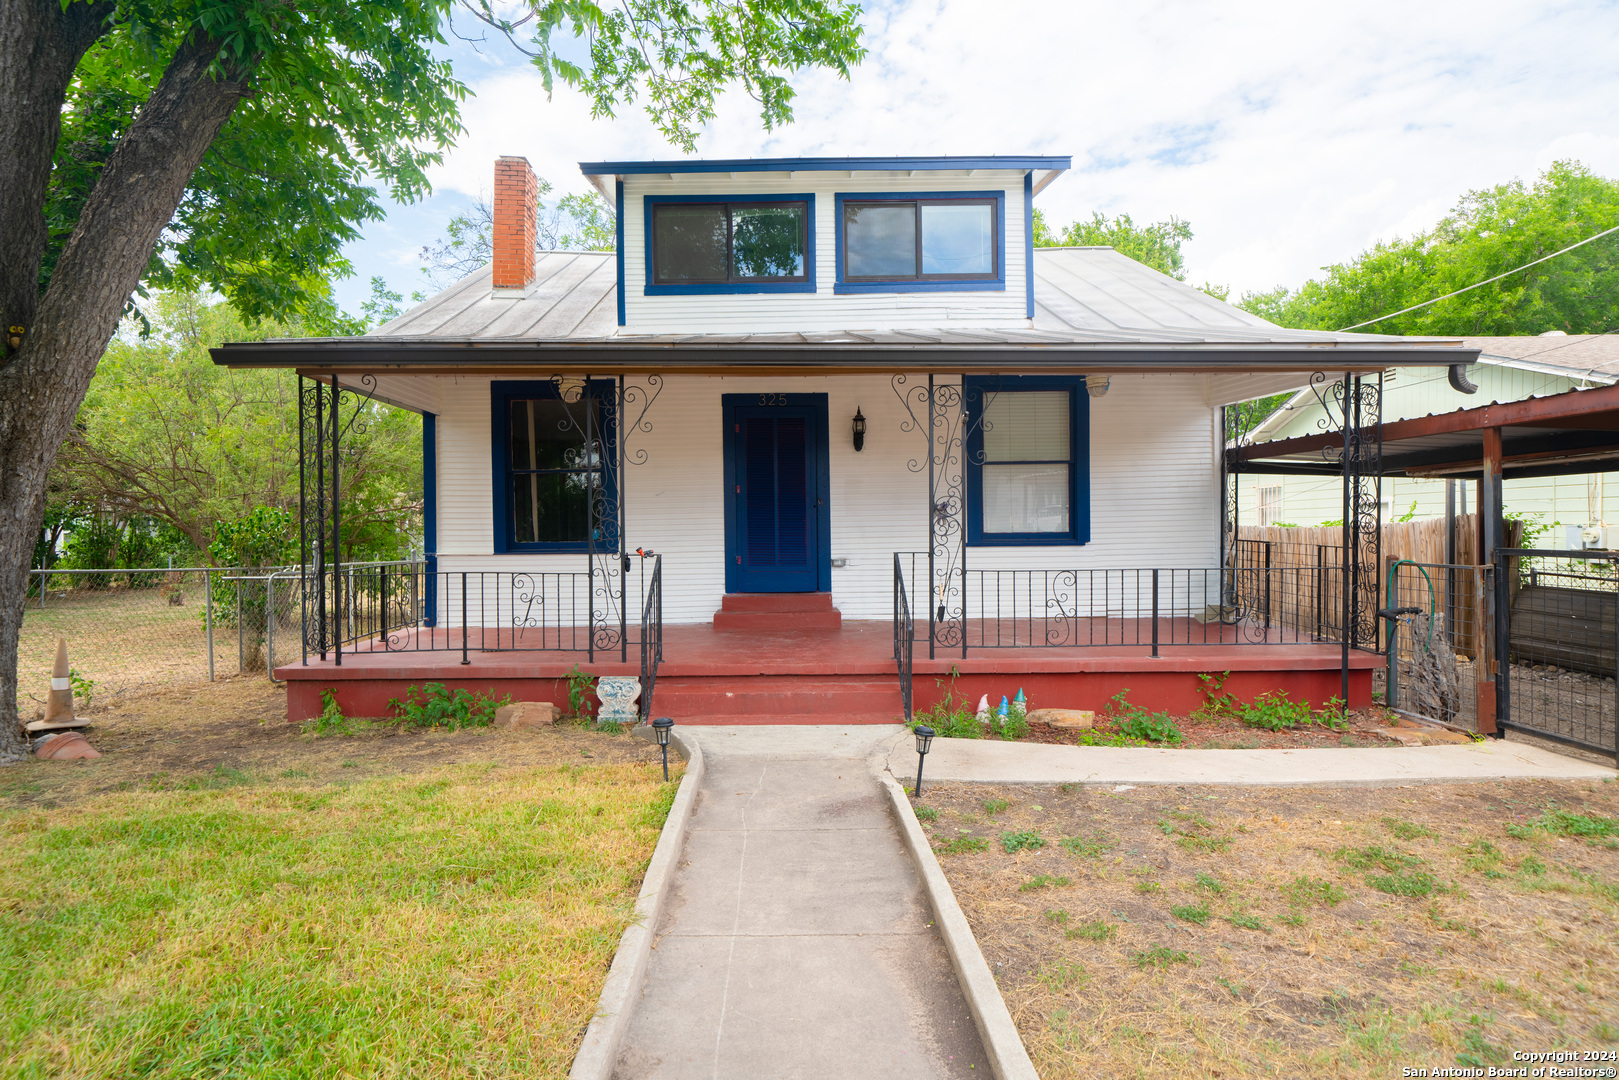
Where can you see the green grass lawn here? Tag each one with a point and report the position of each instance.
(454, 922)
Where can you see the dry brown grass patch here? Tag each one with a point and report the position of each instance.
(1319, 955)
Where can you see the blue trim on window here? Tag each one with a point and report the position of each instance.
(974, 389)
(824, 164)
(817, 406)
(717, 288)
(618, 245)
(995, 284)
(501, 395)
(430, 517)
(1028, 239)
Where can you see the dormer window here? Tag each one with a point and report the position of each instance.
(920, 240)
(915, 242)
(700, 244)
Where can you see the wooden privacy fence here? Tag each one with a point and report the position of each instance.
(1319, 608)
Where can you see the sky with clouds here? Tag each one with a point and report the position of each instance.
(1291, 135)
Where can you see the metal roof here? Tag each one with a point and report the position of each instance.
(1571, 433)
(930, 163)
(1091, 301)
(1082, 295)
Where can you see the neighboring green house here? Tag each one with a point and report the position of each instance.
(1584, 508)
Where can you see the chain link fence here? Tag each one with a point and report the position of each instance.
(126, 631)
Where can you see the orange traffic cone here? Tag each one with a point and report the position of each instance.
(59, 706)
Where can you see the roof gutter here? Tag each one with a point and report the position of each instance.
(440, 357)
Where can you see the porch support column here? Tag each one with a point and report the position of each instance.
(1347, 558)
(337, 535)
(1489, 538)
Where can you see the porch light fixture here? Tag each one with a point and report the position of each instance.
(859, 430)
(1097, 385)
(660, 728)
(924, 741)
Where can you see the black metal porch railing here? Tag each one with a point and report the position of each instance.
(651, 633)
(1149, 607)
(401, 607)
(904, 635)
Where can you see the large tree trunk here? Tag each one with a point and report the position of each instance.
(45, 380)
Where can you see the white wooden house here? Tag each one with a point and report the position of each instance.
(818, 431)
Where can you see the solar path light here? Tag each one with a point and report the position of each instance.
(924, 740)
(660, 727)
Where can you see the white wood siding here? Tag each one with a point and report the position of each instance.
(1153, 487)
(822, 309)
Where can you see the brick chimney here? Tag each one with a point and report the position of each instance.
(515, 195)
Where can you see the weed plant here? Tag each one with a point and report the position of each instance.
(951, 717)
(1273, 711)
(1195, 913)
(1160, 956)
(1134, 722)
(434, 706)
(1094, 931)
(1092, 847)
(1043, 881)
(1028, 840)
(963, 844)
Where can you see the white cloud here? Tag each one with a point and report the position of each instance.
(1290, 135)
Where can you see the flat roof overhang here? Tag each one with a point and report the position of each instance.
(1565, 434)
(440, 357)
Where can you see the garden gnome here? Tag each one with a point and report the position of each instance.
(983, 709)
(59, 705)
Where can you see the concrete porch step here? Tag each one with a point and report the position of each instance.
(719, 700)
(777, 611)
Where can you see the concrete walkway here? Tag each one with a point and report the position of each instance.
(797, 941)
(995, 762)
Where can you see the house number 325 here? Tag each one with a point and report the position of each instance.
(779, 400)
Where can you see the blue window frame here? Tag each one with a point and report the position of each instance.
(922, 276)
(728, 209)
(550, 459)
(1028, 460)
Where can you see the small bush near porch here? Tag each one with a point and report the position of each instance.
(1234, 932)
(219, 895)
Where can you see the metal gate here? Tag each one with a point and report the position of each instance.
(1558, 632)
(1433, 610)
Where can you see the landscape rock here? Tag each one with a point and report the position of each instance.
(1064, 718)
(66, 746)
(527, 714)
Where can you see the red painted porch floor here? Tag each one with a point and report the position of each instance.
(847, 675)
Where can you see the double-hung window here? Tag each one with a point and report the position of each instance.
(730, 246)
(1027, 460)
(900, 242)
(550, 483)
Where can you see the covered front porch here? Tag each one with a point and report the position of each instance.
(844, 676)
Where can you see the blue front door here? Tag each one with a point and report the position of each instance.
(777, 522)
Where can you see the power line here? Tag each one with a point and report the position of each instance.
(1477, 284)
